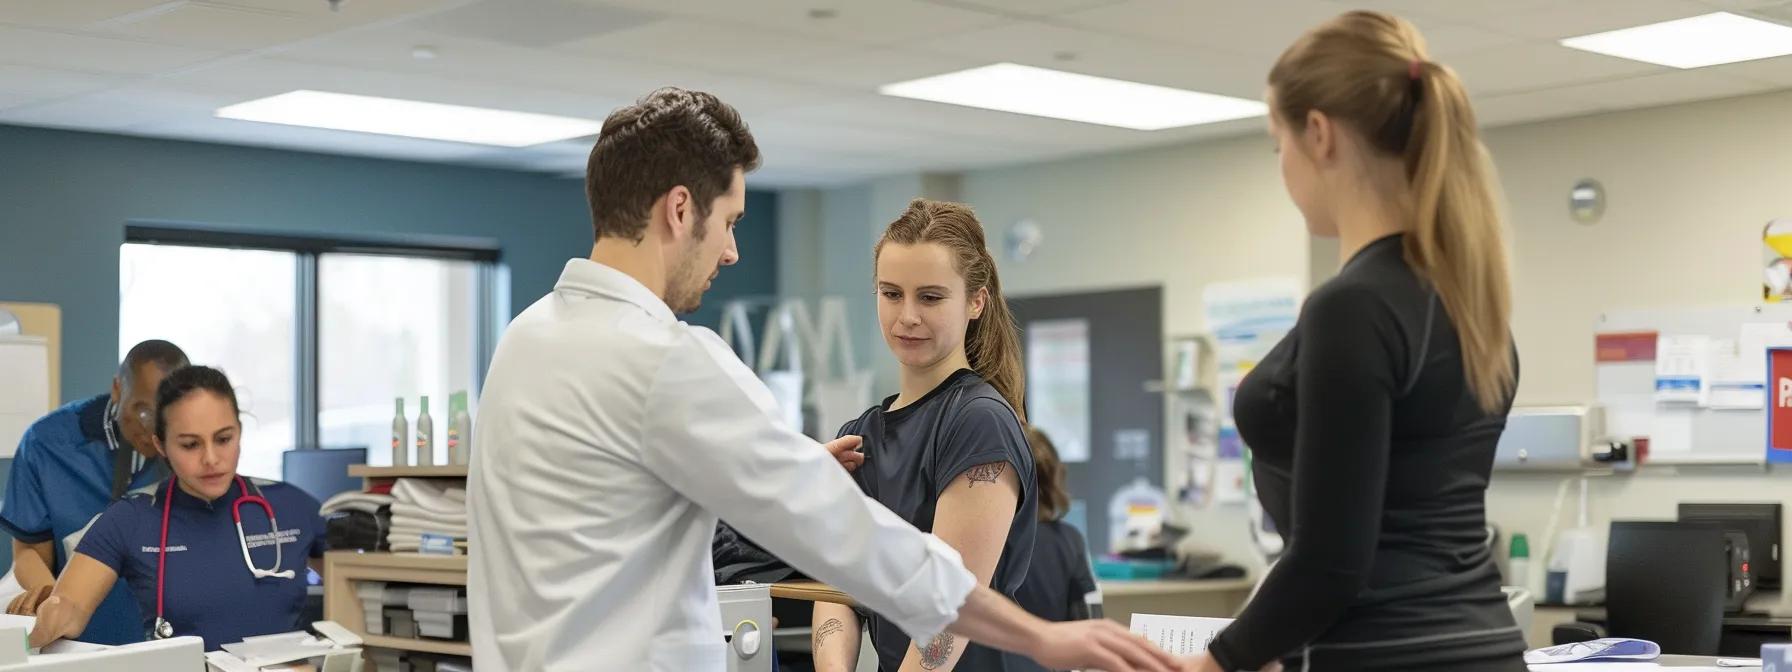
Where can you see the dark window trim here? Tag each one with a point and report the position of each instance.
(456, 248)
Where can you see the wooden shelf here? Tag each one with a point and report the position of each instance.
(441, 471)
(811, 591)
(1128, 588)
(425, 645)
(403, 561)
(344, 569)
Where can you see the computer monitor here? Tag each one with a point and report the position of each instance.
(1664, 582)
(1760, 521)
(322, 472)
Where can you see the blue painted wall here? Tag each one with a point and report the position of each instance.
(65, 197)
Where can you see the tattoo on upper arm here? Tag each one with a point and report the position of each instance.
(937, 652)
(833, 626)
(985, 473)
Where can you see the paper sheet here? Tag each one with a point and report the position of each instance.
(1682, 365)
(1179, 635)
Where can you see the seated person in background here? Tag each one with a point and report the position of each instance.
(194, 569)
(1059, 581)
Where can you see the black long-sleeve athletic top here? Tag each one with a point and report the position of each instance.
(1373, 456)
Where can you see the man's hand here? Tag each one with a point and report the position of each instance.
(846, 450)
(26, 603)
(1099, 645)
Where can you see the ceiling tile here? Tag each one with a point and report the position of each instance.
(866, 69)
(349, 11)
(70, 14)
(255, 134)
(1263, 33)
(880, 23)
(1775, 71)
(218, 27)
(1666, 88)
(1445, 39)
(481, 62)
(1450, 10)
(1739, 5)
(1584, 17)
(125, 108)
(1529, 67)
(538, 23)
(248, 79)
(1107, 55)
(21, 46)
(1028, 8)
(1518, 108)
(21, 85)
(713, 46)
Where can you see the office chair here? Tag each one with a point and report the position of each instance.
(1664, 582)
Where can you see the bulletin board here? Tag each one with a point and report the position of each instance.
(43, 320)
(1732, 429)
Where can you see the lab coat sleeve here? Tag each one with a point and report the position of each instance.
(713, 434)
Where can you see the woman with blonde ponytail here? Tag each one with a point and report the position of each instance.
(1373, 423)
(947, 452)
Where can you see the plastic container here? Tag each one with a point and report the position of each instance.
(1134, 513)
(438, 600)
(1518, 564)
(1132, 570)
(460, 429)
(426, 436)
(401, 436)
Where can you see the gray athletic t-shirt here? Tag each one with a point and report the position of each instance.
(913, 453)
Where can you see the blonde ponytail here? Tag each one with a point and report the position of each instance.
(1369, 71)
(1457, 240)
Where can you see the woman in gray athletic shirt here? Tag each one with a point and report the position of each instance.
(947, 453)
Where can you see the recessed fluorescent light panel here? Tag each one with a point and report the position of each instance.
(410, 118)
(1021, 89)
(1694, 42)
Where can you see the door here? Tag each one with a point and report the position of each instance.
(1124, 331)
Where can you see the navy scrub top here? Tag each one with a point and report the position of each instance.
(210, 592)
(60, 480)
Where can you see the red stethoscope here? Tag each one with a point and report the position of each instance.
(163, 629)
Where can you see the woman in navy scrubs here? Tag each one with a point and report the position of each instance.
(232, 567)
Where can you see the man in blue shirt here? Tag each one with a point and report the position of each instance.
(70, 466)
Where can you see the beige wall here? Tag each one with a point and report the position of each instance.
(1180, 217)
(1688, 186)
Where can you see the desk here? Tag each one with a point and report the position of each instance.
(1218, 598)
(1743, 634)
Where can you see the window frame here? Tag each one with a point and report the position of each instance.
(309, 248)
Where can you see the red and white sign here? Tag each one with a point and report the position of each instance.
(1779, 404)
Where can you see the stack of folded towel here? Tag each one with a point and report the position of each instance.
(425, 506)
(358, 521)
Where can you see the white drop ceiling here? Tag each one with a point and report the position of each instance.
(803, 72)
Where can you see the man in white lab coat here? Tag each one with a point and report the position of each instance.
(611, 436)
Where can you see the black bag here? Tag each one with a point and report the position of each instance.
(739, 560)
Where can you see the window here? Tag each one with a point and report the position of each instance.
(391, 327)
(319, 336)
(245, 326)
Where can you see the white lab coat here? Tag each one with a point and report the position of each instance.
(610, 437)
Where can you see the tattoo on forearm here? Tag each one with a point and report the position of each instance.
(937, 652)
(833, 626)
(985, 473)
